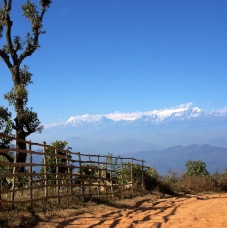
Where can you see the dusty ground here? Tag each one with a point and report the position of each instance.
(207, 210)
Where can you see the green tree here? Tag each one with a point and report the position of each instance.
(13, 53)
(5, 128)
(59, 147)
(196, 168)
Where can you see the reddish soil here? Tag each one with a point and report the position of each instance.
(204, 210)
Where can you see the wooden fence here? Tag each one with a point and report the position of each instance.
(53, 174)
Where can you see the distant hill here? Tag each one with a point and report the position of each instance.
(174, 158)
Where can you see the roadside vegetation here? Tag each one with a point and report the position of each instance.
(195, 180)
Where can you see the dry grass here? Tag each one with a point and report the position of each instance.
(195, 184)
(29, 217)
(25, 216)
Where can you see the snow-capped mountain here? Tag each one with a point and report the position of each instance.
(181, 112)
(102, 133)
(119, 133)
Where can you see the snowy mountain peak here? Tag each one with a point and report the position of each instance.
(181, 112)
(184, 111)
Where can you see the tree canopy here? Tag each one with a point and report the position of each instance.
(196, 168)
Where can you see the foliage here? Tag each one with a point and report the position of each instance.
(13, 53)
(129, 172)
(89, 170)
(150, 178)
(59, 148)
(5, 121)
(5, 169)
(220, 180)
(125, 170)
(5, 128)
(196, 168)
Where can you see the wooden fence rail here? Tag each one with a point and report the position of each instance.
(53, 173)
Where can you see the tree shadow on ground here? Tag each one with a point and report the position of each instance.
(129, 210)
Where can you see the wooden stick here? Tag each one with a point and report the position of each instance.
(30, 172)
(57, 174)
(131, 171)
(14, 181)
(45, 171)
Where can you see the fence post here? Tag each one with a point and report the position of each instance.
(57, 176)
(142, 174)
(111, 175)
(81, 173)
(69, 171)
(122, 175)
(89, 179)
(105, 176)
(30, 173)
(14, 179)
(99, 182)
(45, 171)
(131, 171)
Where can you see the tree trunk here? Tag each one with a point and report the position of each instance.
(21, 157)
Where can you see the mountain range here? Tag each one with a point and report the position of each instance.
(182, 112)
(151, 134)
(130, 132)
(174, 158)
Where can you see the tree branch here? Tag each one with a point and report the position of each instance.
(6, 58)
(9, 24)
(30, 49)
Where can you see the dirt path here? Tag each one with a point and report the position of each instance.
(208, 210)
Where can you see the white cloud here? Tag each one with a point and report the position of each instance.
(124, 116)
(85, 117)
(221, 112)
(46, 126)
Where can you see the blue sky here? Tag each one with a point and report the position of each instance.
(102, 56)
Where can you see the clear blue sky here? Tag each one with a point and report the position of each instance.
(101, 56)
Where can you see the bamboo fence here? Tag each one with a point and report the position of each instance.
(53, 174)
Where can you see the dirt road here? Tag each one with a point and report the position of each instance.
(207, 210)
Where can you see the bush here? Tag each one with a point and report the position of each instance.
(6, 182)
(220, 180)
(196, 168)
(150, 178)
(134, 173)
(195, 183)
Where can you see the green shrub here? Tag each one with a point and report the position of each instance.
(6, 182)
(196, 168)
(150, 178)
(134, 173)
